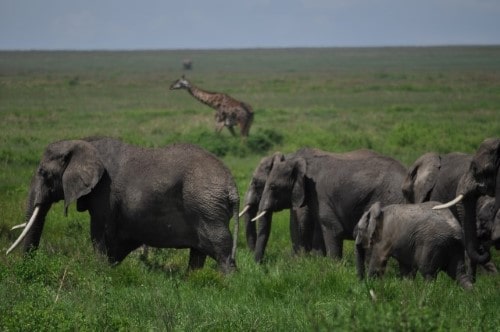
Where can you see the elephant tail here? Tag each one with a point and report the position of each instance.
(235, 202)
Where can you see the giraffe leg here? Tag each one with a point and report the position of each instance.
(244, 129)
(245, 124)
(231, 129)
(219, 126)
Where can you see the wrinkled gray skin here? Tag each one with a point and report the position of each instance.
(488, 227)
(443, 177)
(336, 188)
(179, 196)
(418, 237)
(307, 239)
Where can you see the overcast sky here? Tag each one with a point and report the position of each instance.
(201, 24)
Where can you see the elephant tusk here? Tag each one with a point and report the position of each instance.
(260, 215)
(450, 203)
(25, 231)
(18, 226)
(245, 209)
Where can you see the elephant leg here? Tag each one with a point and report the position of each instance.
(301, 229)
(406, 271)
(294, 232)
(490, 267)
(196, 259)
(333, 242)
(217, 243)
(457, 270)
(429, 267)
(429, 260)
(121, 250)
(97, 235)
(250, 230)
(318, 244)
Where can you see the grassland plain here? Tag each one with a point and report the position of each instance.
(402, 102)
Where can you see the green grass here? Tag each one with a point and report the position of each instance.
(402, 102)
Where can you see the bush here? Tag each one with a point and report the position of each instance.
(222, 145)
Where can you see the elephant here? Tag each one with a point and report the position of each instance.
(310, 236)
(418, 237)
(178, 196)
(336, 188)
(458, 178)
(488, 227)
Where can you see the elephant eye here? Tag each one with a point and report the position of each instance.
(42, 172)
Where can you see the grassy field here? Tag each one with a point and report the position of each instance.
(402, 102)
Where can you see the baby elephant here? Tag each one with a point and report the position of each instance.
(488, 227)
(418, 237)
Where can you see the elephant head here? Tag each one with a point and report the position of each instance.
(252, 200)
(488, 222)
(259, 178)
(285, 187)
(366, 234)
(421, 178)
(369, 226)
(479, 179)
(67, 171)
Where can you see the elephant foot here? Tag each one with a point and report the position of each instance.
(490, 267)
(196, 259)
(228, 266)
(465, 283)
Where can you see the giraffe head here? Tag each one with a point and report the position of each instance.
(181, 83)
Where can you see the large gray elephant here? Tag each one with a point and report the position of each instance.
(179, 196)
(460, 176)
(307, 239)
(336, 188)
(418, 237)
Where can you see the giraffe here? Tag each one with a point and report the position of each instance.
(230, 112)
(187, 64)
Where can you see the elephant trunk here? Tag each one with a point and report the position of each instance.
(250, 226)
(263, 232)
(360, 261)
(32, 239)
(33, 229)
(467, 212)
(34, 220)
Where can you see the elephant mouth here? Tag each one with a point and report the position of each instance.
(484, 189)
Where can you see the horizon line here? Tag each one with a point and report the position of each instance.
(243, 48)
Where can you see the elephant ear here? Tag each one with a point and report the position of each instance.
(421, 178)
(485, 165)
(83, 171)
(277, 157)
(375, 223)
(298, 190)
(360, 231)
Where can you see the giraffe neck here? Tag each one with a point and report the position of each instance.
(207, 98)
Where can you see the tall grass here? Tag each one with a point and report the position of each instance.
(402, 102)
